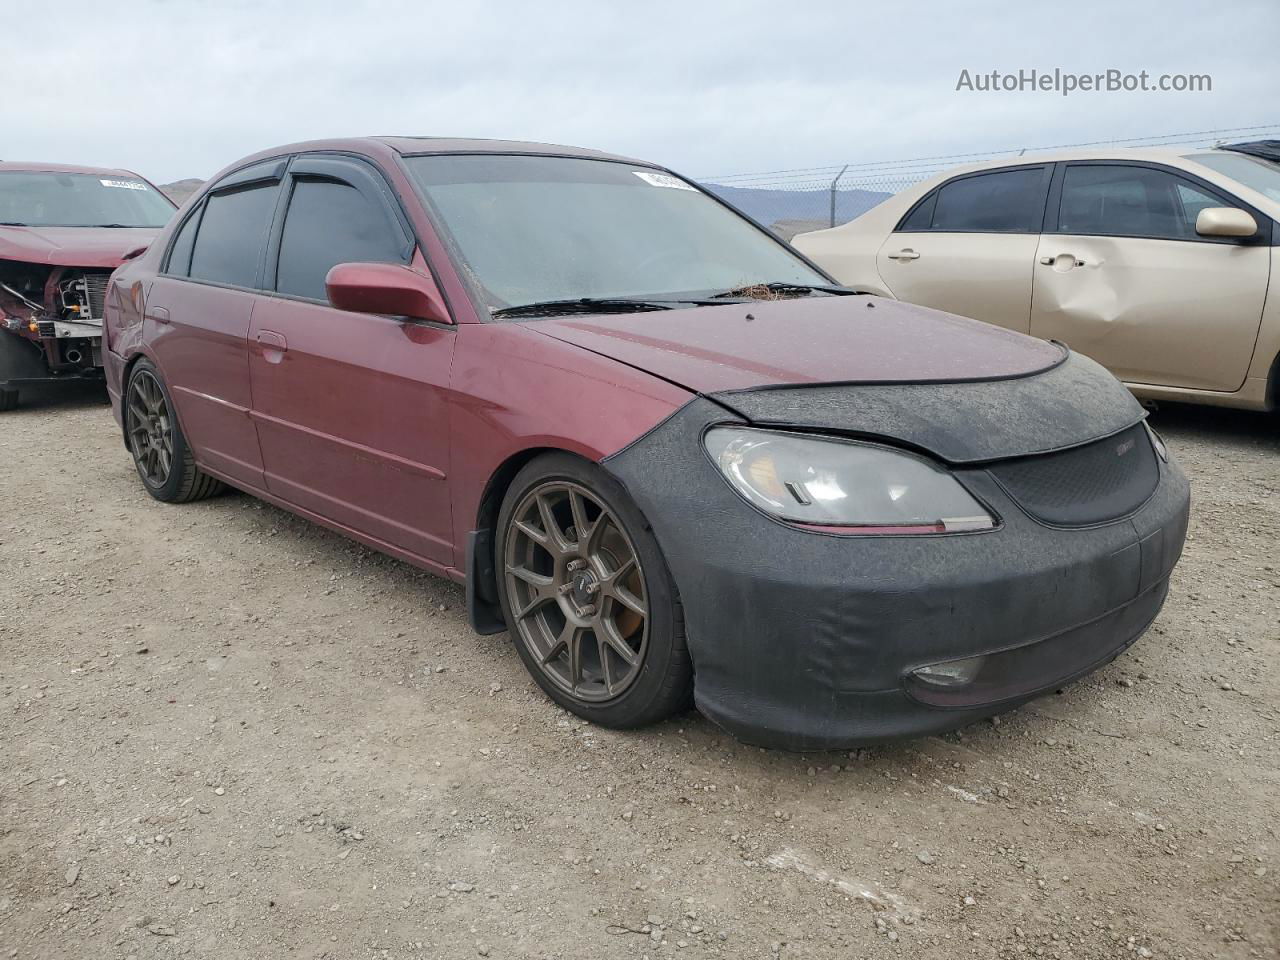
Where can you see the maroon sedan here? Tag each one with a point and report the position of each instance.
(658, 446)
(63, 229)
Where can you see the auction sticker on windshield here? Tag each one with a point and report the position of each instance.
(124, 184)
(663, 180)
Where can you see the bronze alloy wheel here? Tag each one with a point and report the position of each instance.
(149, 426)
(577, 591)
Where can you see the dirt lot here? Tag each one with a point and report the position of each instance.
(228, 733)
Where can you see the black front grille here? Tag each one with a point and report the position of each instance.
(1097, 482)
(96, 287)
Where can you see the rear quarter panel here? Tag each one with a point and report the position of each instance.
(515, 390)
(122, 324)
(848, 252)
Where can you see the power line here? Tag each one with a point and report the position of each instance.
(889, 165)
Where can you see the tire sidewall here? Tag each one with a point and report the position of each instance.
(634, 705)
(173, 485)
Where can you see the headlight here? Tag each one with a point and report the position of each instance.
(843, 483)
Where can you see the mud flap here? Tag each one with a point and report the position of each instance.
(483, 609)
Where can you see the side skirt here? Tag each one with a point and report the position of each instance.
(422, 563)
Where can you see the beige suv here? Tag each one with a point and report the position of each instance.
(1156, 263)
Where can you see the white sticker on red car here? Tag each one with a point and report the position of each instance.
(663, 180)
(124, 184)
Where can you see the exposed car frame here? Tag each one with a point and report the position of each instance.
(53, 284)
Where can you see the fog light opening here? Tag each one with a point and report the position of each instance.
(950, 675)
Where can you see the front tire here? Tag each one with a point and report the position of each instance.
(160, 450)
(588, 598)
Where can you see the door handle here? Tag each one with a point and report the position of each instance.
(273, 345)
(158, 314)
(1050, 261)
(907, 254)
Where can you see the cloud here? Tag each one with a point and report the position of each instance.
(175, 89)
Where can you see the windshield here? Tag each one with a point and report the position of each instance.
(530, 229)
(1255, 173)
(46, 199)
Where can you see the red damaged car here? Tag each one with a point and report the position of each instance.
(659, 447)
(63, 229)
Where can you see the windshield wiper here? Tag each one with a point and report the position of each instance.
(13, 223)
(581, 305)
(782, 286)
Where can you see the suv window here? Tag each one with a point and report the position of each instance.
(1007, 201)
(328, 223)
(1122, 200)
(233, 231)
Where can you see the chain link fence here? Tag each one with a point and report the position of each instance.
(814, 198)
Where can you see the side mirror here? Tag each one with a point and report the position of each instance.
(1225, 222)
(385, 288)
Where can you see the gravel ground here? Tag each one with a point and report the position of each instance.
(229, 733)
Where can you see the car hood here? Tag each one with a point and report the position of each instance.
(846, 339)
(73, 246)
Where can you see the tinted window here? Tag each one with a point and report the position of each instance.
(330, 223)
(1010, 201)
(1129, 201)
(921, 218)
(1193, 200)
(180, 253)
(232, 233)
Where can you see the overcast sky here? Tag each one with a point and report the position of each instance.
(176, 89)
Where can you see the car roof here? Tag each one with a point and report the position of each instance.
(419, 146)
(34, 166)
(1174, 156)
(409, 146)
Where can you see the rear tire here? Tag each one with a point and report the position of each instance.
(590, 604)
(160, 450)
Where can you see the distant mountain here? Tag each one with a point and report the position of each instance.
(789, 212)
(180, 190)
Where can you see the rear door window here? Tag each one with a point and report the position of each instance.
(921, 217)
(330, 222)
(232, 234)
(179, 264)
(1006, 201)
(1123, 200)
